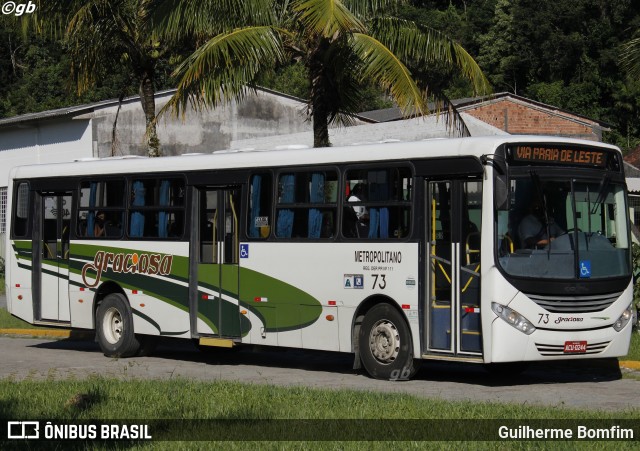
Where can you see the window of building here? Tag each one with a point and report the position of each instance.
(156, 208)
(307, 204)
(378, 203)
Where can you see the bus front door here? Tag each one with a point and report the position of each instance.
(55, 221)
(218, 310)
(453, 272)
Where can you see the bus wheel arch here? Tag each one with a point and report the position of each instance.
(382, 340)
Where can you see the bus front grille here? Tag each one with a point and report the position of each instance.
(575, 304)
(555, 350)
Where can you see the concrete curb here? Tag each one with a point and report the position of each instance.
(630, 364)
(50, 333)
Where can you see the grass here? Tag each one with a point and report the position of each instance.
(11, 322)
(634, 348)
(261, 412)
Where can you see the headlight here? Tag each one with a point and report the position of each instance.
(624, 318)
(513, 318)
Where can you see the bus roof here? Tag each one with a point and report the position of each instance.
(474, 146)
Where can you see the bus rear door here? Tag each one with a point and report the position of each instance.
(218, 310)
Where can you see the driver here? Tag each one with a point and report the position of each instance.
(533, 228)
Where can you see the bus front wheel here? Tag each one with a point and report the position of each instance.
(385, 344)
(114, 327)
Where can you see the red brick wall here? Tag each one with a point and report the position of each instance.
(516, 118)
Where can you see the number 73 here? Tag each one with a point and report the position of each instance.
(379, 281)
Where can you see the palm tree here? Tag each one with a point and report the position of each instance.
(342, 44)
(630, 57)
(103, 34)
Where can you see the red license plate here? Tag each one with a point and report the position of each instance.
(575, 347)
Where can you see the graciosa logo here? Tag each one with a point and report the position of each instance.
(125, 263)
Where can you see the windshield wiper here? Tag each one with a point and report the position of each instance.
(602, 193)
(595, 206)
(540, 193)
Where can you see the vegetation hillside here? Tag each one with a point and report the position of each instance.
(566, 54)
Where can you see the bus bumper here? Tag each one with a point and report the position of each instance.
(510, 345)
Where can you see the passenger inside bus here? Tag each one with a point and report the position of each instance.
(98, 228)
(538, 228)
(361, 214)
(357, 195)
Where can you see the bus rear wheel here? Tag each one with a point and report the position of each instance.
(114, 327)
(385, 344)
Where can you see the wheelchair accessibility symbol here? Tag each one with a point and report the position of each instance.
(585, 269)
(244, 251)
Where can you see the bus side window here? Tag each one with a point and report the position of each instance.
(21, 209)
(101, 209)
(156, 208)
(260, 202)
(381, 200)
(306, 205)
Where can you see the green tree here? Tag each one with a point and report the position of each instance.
(565, 54)
(34, 69)
(498, 54)
(343, 45)
(105, 34)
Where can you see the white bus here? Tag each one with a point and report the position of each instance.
(488, 250)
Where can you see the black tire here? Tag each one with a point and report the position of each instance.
(114, 327)
(385, 344)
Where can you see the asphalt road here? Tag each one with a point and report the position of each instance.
(581, 385)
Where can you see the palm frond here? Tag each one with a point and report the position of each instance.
(423, 44)
(384, 68)
(221, 69)
(454, 123)
(326, 17)
(99, 34)
(51, 17)
(366, 9)
(177, 19)
(630, 57)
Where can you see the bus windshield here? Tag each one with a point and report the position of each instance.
(563, 228)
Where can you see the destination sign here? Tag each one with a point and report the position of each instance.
(558, 154)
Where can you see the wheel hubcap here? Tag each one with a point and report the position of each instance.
(112, 325)
(384, 341)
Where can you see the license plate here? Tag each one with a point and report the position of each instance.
(575, 347)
